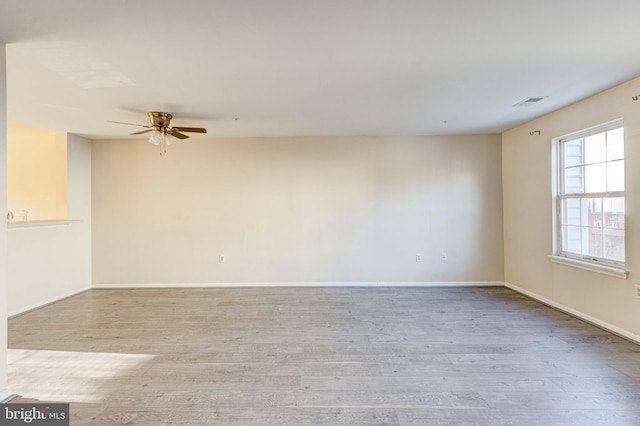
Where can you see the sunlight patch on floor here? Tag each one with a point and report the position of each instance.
(70, 376)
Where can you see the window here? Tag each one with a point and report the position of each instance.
(590, 201)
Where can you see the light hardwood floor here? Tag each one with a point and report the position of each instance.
(322, 356)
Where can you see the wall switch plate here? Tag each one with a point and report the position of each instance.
(221, 258)
(443, 256)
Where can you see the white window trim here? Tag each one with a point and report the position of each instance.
(603, 266)
(612, 271)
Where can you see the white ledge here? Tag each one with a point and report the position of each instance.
(612, 271)
(40, 223)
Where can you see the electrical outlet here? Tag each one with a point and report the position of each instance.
(443, 256)
(637, 287)
(418, 258)
(221, 258)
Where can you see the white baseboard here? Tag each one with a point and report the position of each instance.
(307, 284)
(43, 303)
(588, 318)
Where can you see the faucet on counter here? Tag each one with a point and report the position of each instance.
(9, 216)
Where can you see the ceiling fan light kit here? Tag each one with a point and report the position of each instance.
(162, 133)
(156, 137)
(169, 139)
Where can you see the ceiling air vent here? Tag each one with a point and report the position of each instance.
(529, 101)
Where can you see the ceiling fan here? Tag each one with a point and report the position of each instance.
(162, 133)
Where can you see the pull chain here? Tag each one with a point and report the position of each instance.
(163, 144)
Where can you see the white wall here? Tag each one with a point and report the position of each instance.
(313, 209)
(48, 263)
(528, 201)
(4, 392)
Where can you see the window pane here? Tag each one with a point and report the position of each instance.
(615, 176)
(572, 211)
(615, 144)
(573, 153)
(582, 212)
(595, 179)
(572, 239)
(594, 212)
(595, 149)
(595, 246)
(613, 211)
(573, 180)
(584, 240)
(614, 244)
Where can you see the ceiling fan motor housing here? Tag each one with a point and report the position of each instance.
(160, 120)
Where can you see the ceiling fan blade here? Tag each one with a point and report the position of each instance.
(129, 124)
(141, 132)
(191, 129)
(177, 134)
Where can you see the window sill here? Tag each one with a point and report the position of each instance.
(612, 271)
(40, 223)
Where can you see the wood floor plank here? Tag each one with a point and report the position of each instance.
(521, 417)
(296, 356)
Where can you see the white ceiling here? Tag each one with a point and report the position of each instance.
(311, 67)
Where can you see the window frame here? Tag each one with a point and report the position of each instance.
(560, 175)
